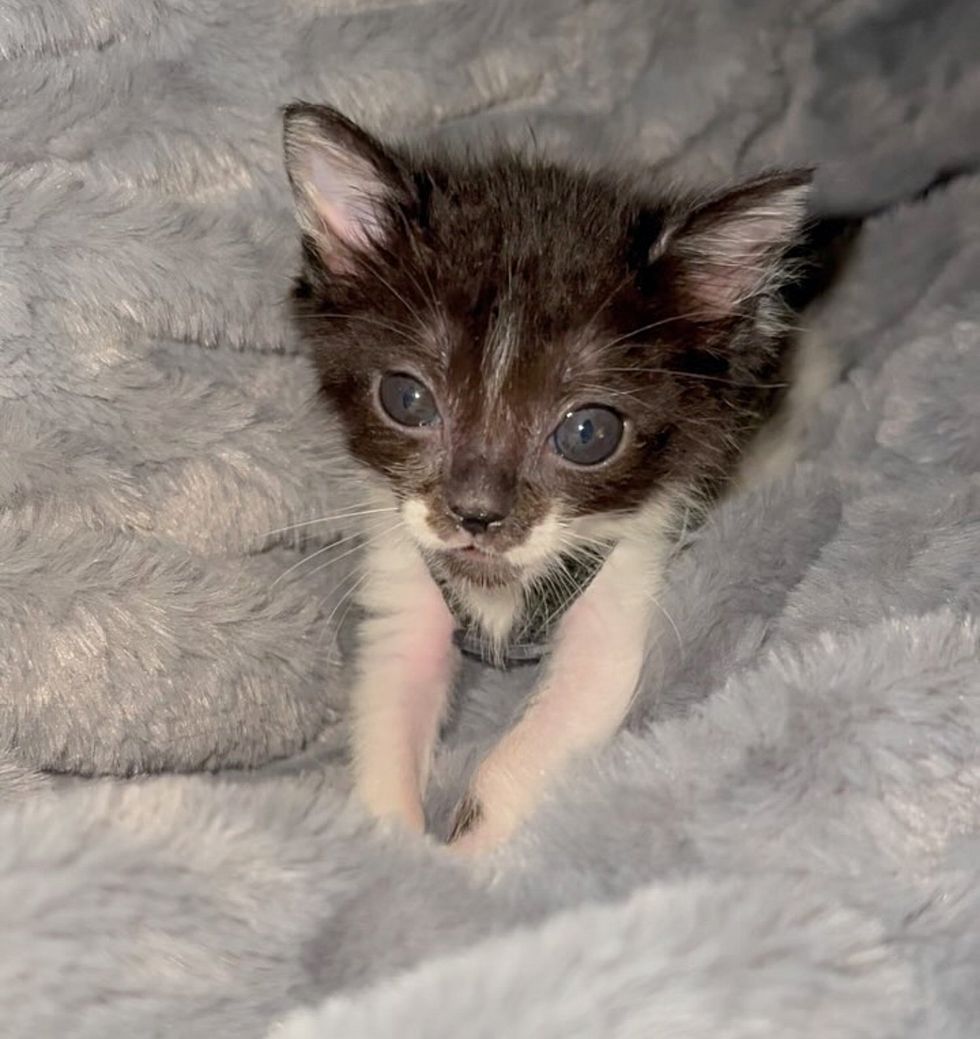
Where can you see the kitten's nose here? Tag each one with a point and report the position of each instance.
(479, 492)
(475, 521)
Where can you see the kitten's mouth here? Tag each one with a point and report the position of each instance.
(480, 565)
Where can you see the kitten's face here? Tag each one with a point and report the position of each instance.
(529, 356)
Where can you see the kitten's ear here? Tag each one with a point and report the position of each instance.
(732, 248)
(346, 185)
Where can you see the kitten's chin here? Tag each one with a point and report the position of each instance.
(474, 566)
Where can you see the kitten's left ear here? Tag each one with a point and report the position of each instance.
(347, 186)
(731, 249)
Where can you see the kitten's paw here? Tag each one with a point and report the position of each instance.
(488, 815)
(482, 837)
(403, 822)
(395, 810)
(478, 841)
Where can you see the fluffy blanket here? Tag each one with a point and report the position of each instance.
(786, 841)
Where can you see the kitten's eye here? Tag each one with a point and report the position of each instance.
(407, 401)
(588, 436)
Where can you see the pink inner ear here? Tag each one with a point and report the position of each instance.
(727, 269)
(733, 257)
(344, 200)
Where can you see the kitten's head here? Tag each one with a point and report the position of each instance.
(530, 355)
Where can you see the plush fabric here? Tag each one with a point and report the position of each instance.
(784, 842)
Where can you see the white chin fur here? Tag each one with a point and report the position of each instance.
(530, 557)
(497, 609)
(554, 534)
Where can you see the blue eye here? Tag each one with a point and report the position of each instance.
(589, 435)
(407, 401)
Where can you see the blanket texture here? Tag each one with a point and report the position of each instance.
(785, 841)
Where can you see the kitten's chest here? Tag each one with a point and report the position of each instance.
(511, 626)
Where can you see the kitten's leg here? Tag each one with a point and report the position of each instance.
(580, 702)
(406, 663)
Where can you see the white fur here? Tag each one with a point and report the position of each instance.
(495, 609)
(406, 665)
(539, 547)
(599, 645)
(500, 352)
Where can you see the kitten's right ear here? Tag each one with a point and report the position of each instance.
(346, 185)
(732, 248)
(729, 250)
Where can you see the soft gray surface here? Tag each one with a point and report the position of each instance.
(796, 855)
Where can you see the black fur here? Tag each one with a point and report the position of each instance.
(661, 306)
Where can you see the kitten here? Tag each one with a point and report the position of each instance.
(543, 369)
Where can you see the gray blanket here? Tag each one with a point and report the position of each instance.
(786, 841)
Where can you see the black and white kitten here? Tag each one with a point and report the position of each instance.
(541, 369)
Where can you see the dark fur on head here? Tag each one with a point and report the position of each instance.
(516, 290)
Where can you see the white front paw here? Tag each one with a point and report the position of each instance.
(396, 807)
(490, 812)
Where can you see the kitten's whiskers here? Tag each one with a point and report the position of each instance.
(349, 598)
(694, 375)
(329, 548)
(344, 555)
(327, 519)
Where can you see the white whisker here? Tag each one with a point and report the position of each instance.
(649, 328)
(413, 311)
(351, 551)
(670, 620)
(347, 597)
(319, 552)
(327, 519)
(387, 325)
(333, 658)
(694, 375)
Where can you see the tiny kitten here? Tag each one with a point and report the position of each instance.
(542, 371)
